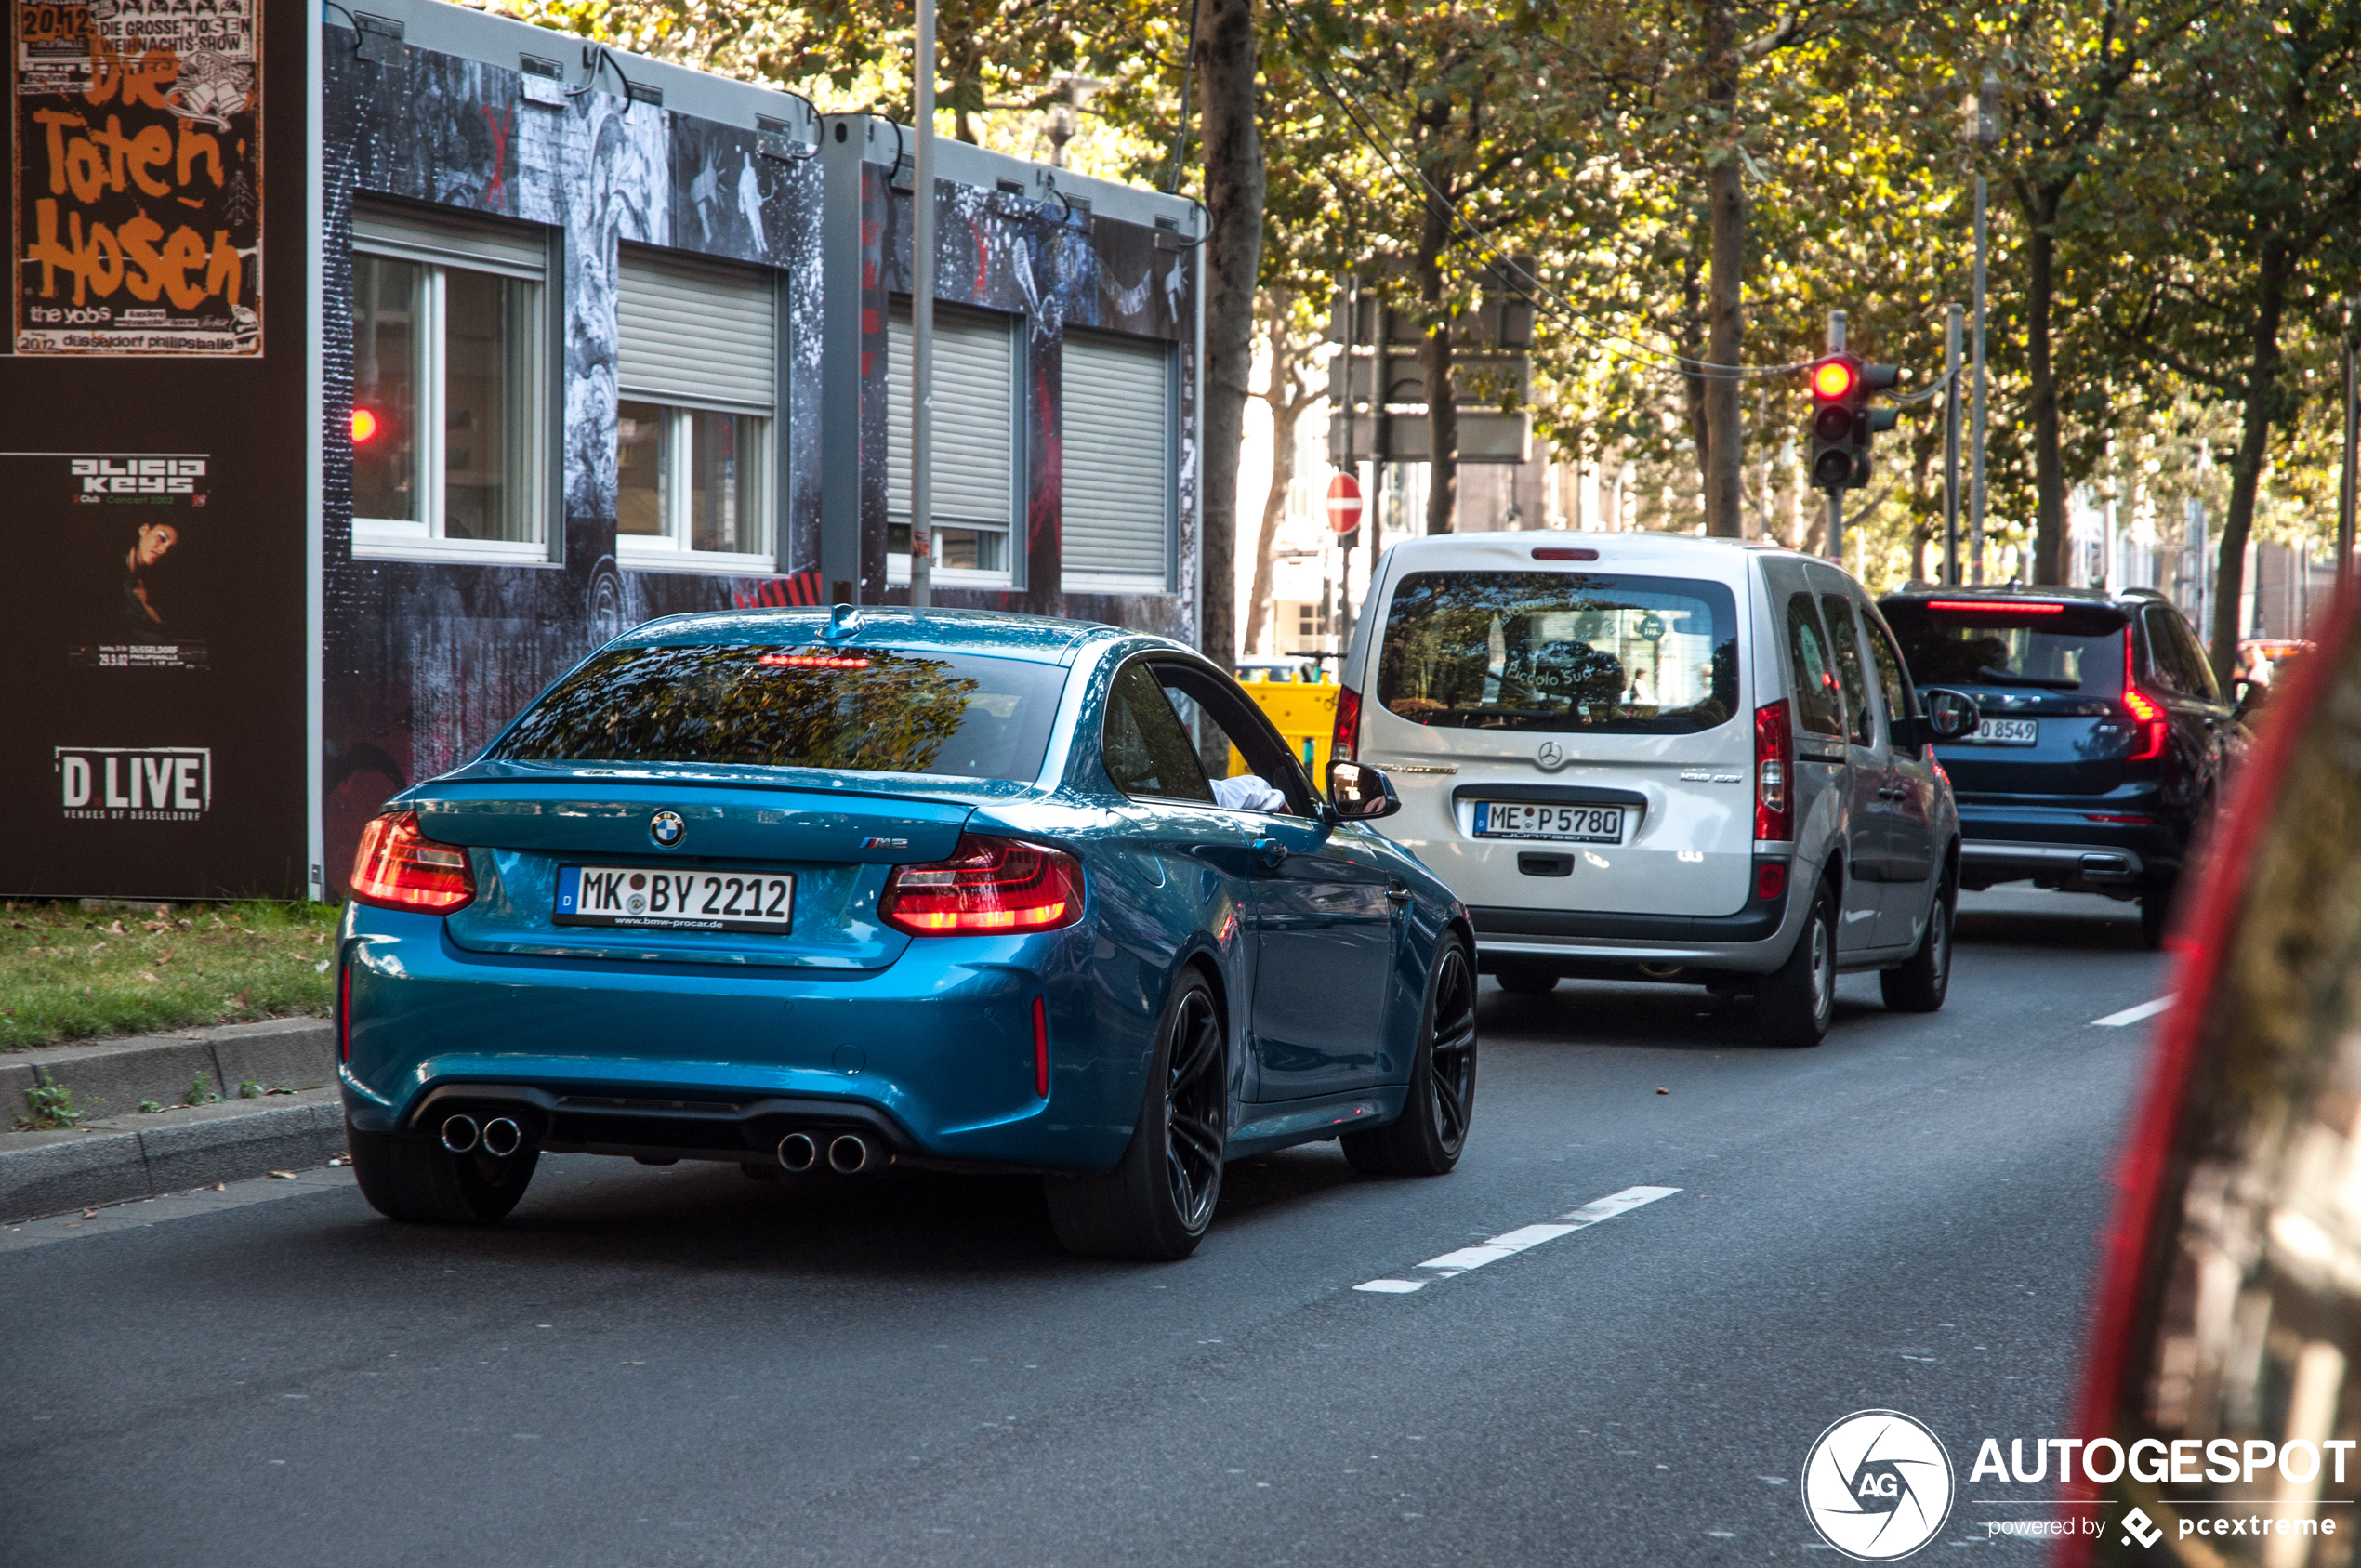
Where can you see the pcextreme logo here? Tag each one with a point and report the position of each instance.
(1878, 1485)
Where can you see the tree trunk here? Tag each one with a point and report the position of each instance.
(1233, 257)
(1724, 450)
(2049, 471)
(2260, 403)
(1693, 351)
(1434, 357)
(1287, 402)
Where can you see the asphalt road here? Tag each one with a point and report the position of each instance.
(649, 1366)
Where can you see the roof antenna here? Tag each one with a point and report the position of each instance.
(843, 621)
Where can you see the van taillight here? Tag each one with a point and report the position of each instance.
(2149, 720)
(399, 867)
(1773, 773)
(1344, 744)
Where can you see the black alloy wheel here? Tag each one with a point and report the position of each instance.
(412, 1176)
(1161, 1195)
(1432, 1132)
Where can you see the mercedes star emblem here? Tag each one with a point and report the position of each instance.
(665, 828)
(1551, 756)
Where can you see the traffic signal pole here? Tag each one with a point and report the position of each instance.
(1951, 446)
(1836, 492)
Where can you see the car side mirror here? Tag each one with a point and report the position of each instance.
(1950, 714)
(2251, 696)
(1360, 792)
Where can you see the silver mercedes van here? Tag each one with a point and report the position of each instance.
(1682, 760)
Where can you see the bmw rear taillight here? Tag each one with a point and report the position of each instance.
(344, 1013)
(1773, 773)
(2148, 721)
(399, 867)
(1040, 1047)
(987, 886)
(1344, 744)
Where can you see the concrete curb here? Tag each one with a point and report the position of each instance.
(111, 1077)
(121, 1155)
(53, 1172)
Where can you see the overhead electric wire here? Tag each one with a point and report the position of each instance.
(1478, 242)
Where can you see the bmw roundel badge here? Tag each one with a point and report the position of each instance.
(665, 828)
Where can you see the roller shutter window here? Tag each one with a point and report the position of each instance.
(976, 437)
(696, 375)
(451, 433)
(1116, 520)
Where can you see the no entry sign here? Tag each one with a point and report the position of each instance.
(1344, 503)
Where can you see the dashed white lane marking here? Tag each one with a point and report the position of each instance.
(2132, 1014)
(1510, 1243)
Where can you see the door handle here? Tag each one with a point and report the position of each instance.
(1269, 853)
(1396, 894)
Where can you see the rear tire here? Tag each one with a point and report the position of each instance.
(1159, 1199)
(2155, 914)
(1525, 979)
(1432, 1132)
(417, 1179)
(1794, 1002)
(1918, 986)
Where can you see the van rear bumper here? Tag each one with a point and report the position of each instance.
(1755, 940)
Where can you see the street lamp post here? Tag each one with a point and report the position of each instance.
(922, 317)
(2346, 491)
(1951, 325)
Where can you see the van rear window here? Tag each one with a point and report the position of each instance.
(873, 710)
(1560, 650)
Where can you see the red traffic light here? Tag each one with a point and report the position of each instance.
(1833, 380)
(364, 426)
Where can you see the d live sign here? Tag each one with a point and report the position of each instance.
(118, 784)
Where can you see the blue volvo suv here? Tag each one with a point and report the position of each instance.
(2104, 739)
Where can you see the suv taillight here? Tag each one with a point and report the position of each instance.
(1773, 773)
(2148, 721)
(1344, 743)
(399, 867)
(988, 885)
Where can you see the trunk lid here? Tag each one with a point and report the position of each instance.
(837, 836)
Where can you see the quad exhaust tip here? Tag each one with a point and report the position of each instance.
(502, 1137)
(849, 1154)
(798, 1153)
(460, 1134)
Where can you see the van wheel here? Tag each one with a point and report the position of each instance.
(1432, 1132)
(1918, 985)
(418, 1178)
(1794, 1002)
(1525, 979)
(1160, 1197)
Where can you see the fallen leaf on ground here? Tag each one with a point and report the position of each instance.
(1661, 1089)
(284, 1175)
(151, 979)
(89, 1214)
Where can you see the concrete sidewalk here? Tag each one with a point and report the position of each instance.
(235, 1102)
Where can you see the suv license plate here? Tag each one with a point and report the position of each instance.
(2009, 732)
(690, 901)
(1512, 818)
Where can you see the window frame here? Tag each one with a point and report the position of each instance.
(1860, 717)
(674, 549)
(1076, 580)
(1011, 530)
(534, 466)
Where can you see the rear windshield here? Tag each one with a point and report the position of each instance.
(870, 709)
(2075, 648)
(1560, 650)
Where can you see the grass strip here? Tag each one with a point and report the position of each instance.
(69, 973)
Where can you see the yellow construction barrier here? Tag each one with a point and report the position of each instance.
(1303, 712)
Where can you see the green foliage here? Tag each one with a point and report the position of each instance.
(52, 1109)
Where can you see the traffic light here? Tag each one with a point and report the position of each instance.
(1843, 423)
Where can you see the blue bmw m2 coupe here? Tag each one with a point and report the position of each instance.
(960, 891)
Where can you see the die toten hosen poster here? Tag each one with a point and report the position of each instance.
(138, 177)
(154, 745)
